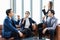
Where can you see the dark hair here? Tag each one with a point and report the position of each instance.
(51, 4)
(52, 11)
(28, 12)
(8, 11)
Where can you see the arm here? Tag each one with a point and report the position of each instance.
(44, 11)
(53, 27)
(10, 26)
(17, 22)
(22, 22)
(18, 19)
(44, 19)
(33, 21)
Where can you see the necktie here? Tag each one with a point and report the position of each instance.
(49, 23)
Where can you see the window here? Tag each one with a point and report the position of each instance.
(36, 10)
(22, 6)
(26, 6)
(57, 9)
(19, 8)
(33, 6)
(4, 5)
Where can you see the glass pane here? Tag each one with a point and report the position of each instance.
(36, 10)
(57, 9)
(4, 5)
(19, 8)
(26, 6)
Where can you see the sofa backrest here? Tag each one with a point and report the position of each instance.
(1, 29)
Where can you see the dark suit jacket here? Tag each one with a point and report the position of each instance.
(30, 20)
(8, 27)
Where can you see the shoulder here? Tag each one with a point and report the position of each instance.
(55, 19)
(6, 19)
(30, 18)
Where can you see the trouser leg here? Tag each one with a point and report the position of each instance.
(40, 30)
(16, 36)
(51, 34)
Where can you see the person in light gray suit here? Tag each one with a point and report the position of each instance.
(51, 23)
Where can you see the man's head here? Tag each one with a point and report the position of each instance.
(9, 12)
(27, 13)
(51, 13)
(18, 16)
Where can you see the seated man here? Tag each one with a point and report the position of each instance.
(9, 27)
(51, 23)
(26, 25)
(18, 20)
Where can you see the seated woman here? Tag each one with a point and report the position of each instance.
(27, 25)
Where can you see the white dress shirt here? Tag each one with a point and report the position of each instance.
(27, 24)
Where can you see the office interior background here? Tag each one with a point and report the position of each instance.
(33, 6)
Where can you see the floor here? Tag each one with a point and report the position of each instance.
(35, 38)
(31, 38)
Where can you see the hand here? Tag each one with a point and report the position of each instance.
(20, 34)
(17, 25)
(23, 21)
(44, 30)
(44, 17)
(44, 6)
(34, 26)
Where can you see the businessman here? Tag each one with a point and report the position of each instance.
(51, 23)
(9, 27)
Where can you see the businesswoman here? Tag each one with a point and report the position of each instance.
(50, 7)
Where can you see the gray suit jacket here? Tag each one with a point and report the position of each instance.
(53, 23)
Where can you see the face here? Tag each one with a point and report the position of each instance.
(48, 5)
(18, 16)
(49, 14)
(27, 14)
(11, 13)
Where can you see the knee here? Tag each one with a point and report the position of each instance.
(34, 27)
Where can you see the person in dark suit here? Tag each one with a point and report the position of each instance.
(18, 19)
(26, 25)
(9, 27)
(51, 23)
